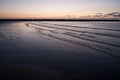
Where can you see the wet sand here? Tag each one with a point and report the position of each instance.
(60, 50)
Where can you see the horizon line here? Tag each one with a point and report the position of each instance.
(60, 19)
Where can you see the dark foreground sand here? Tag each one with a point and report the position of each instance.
(27, 73)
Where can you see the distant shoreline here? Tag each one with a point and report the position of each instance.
(115, 20)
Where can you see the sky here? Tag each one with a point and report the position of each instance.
(55, 8)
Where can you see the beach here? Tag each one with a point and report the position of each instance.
(60, 50)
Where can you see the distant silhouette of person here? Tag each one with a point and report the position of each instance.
(27, 24)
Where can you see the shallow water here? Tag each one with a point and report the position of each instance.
(81, 48)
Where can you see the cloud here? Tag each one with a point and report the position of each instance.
(114, 14)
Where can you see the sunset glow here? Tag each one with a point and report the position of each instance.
(56, 8)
